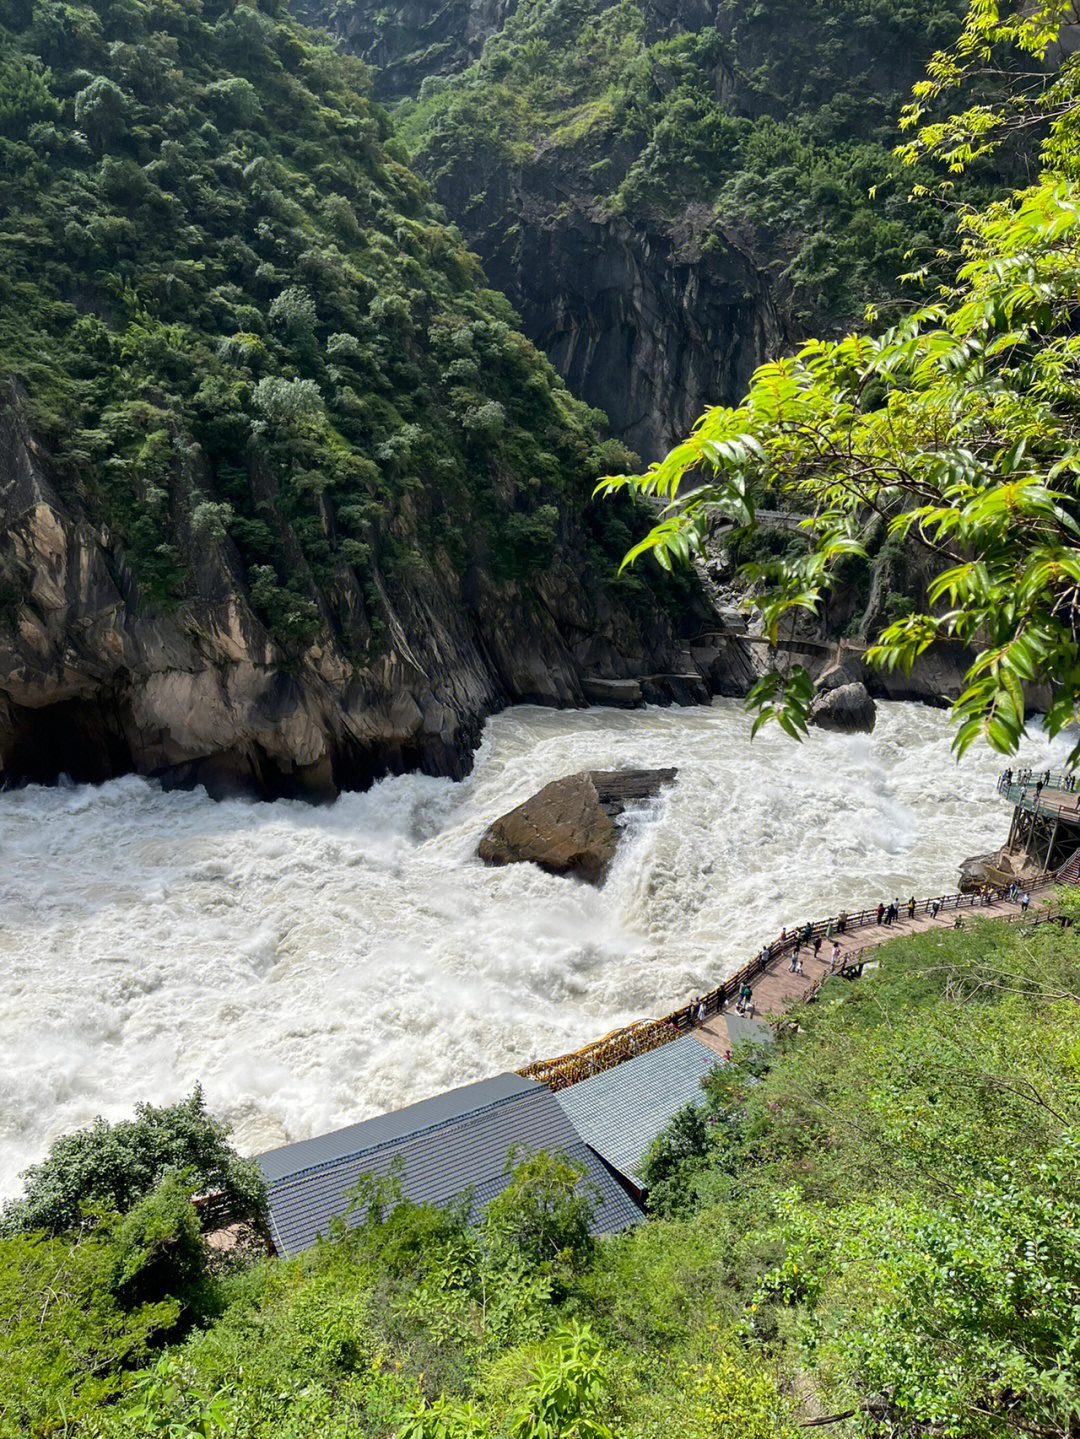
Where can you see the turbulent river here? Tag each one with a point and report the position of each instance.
(314, 966)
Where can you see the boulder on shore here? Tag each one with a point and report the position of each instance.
(568, 826)
(999, 870)
(848, 709)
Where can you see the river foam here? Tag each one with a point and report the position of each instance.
(314, 966)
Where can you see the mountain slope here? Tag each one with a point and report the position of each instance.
(285, 498)
(668, 191)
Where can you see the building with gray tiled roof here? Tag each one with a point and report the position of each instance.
(620, 1112)
(445, 1145)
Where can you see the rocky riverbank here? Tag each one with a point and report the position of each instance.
(96, 680)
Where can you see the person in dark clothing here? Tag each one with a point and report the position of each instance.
(880, 913)
(911, 907)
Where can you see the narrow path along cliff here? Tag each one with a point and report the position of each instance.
(792, 969)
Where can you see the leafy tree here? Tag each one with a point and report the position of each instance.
(100, 111)
(674, 1156)
(566, 1397)
(957, 427)
(976, 1330)
(160, 1243)
(288, 403)
(121, 1164)
(545, 1211)
(445, 1418)
(68, 1332)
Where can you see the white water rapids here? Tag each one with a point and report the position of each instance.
(313, 966)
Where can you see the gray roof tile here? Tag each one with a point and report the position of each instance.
(446, 1145)
(621, 1111)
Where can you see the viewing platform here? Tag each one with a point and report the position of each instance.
(1046, 814)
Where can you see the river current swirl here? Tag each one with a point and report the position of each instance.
(313, 966)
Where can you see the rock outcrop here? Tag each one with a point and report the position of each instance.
(650, 319)
(999, 869)
(848, 709)
(653, 296)
(568, 826)
(96, 681)
(422, 38)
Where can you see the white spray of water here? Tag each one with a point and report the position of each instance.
(314, 966)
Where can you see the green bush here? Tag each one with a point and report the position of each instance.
(119, 1165)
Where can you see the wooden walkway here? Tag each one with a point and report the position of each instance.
(774, 978)
(776, 986)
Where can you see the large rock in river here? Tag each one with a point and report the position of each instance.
(847, 708)
(568, 826)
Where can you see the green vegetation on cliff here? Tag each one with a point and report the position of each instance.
(234, 316)
(958, 428)
(876, 1218)
(776, 120)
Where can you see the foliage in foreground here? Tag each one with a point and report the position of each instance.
(117, 1165)
(958, 428)
(876, 1218)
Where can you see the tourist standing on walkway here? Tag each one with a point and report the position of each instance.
(817, 946)
(880, 912)
(911, 907)
(835, 952)
(841, 923)
(1025, 900)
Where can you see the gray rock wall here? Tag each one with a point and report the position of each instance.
(95, 681)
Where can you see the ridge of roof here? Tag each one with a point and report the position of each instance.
(397, 1134)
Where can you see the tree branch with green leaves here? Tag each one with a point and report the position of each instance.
(959, 428)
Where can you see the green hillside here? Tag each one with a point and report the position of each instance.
(778, 122)
(231, 312)
(877, 1220)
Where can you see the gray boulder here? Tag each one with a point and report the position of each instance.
(848, 709)
(568, 826)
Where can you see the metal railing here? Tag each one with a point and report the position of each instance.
(767, 957)
(635, 1039)
(1025, 789)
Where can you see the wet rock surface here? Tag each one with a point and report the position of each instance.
(848, 709)
(97, 681)
(568, 827)
(998, 869)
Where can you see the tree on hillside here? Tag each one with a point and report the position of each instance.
(119, 1165)
(958, 428)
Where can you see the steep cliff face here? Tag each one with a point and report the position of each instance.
(650, 319)
(668, 191)
(406, 42)
(96, 681)
(286, 500)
